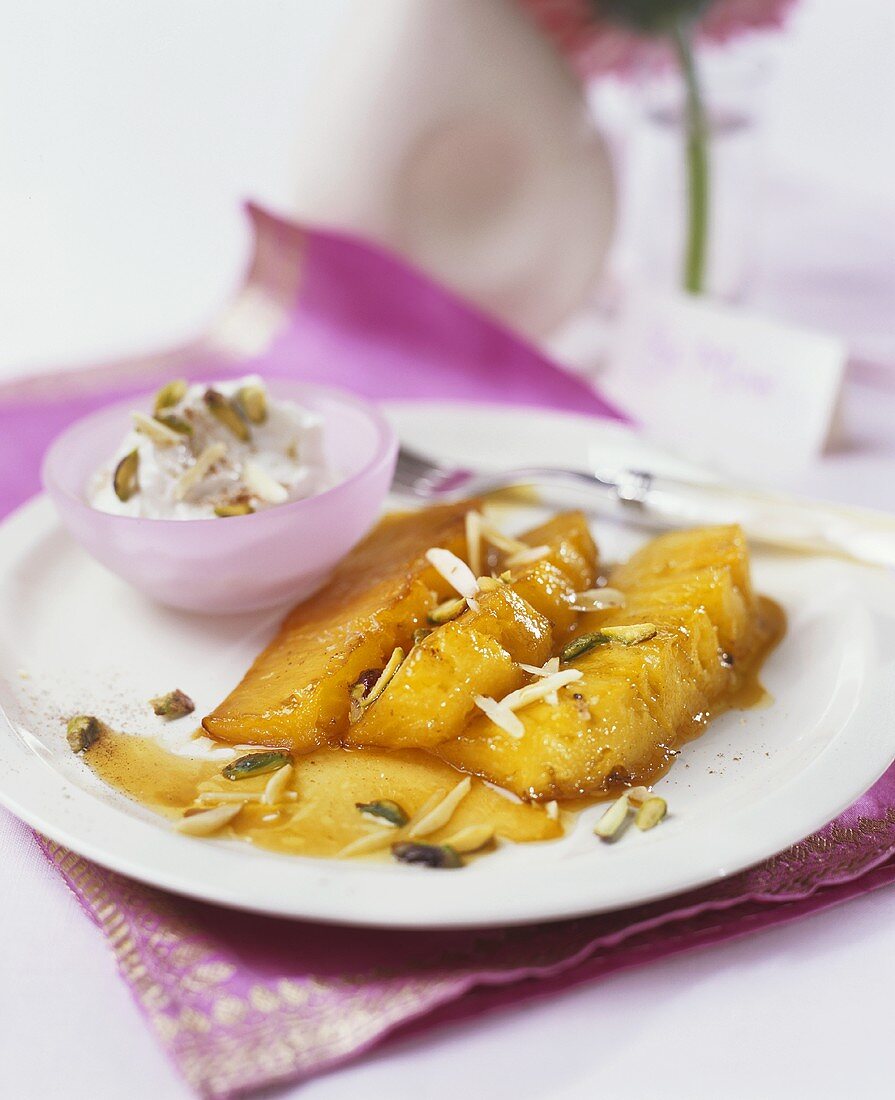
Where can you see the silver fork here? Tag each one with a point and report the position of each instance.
(659, 501)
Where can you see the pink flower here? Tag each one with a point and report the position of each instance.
(595, 46)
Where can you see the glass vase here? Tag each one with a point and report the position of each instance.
(659, 179)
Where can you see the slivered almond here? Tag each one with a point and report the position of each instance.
(431, 802)
(456, 572)
(156, 431)
(385, 677)
(261, 485)
(241, 796)
(503, 542)
(373, 842)
(208, 822)
(473, 524)
(552, 810)
(501, 716)
(612, 821)
(276, 785)
(190, 478)
(540, 689)
(470, 839)
(528, 555)
(547, 669)
(442, 813)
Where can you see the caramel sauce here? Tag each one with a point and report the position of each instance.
(323, 818)
(328, 782)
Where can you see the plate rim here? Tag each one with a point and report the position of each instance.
(432, 909)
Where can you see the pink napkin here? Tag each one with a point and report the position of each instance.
(240, 1001)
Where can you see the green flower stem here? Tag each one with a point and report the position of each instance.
(697, 163)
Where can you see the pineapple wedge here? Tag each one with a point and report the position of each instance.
(296, 693)
(623, 721)
(432, 696)
(570, 546)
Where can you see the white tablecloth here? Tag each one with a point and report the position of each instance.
(799, 1011)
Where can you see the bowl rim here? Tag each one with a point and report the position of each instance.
(385, 451)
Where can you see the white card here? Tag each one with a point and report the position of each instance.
(749, 397)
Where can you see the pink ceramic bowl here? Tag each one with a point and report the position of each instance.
(242, 563)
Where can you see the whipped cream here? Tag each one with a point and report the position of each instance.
(271, 454)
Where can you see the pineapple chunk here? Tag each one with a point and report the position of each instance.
(503, 615)
(549, 591)
(571, 546)
(684, 552)
(622, 722)
(432, 696)
(296, 693)
(432, 693)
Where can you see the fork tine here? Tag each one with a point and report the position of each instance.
(424, 477)
(411, 464)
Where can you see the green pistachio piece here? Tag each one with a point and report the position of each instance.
(621, 635)
(176, 704)
(125, 480)
(427, 855)
(176, 423)
(583, 644)
(235, 508)
(651, 813)
(446, 611)
(172, 393)
(83, 731)
(257, 763)
(252, 400)
(631, 635)
(384, 810)
(227, 413)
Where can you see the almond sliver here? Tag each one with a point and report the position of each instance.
(208, 822)
(261, 485)
(541, 689)
(501, 716)
(473, 524)
(456, 572)
(528, 555)
(442, 813)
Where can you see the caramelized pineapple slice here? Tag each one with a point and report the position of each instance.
(432, 695)
(506, 617)
(685, 552)
(711, 588)
(549, 591)
(571, 547)
(296, 694)
(634, 705)
(616, 724)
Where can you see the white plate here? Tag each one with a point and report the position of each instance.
(756, 782)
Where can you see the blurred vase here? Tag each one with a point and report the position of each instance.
(733, 78)
(454, 134)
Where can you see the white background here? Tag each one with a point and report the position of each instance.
(128, 135)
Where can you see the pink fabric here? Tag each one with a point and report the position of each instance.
(240, 1001)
